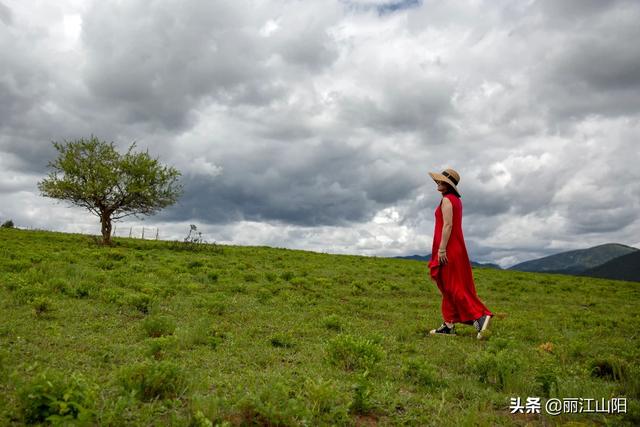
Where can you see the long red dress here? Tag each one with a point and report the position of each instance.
(460, 303)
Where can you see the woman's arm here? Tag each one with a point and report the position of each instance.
(447, 217)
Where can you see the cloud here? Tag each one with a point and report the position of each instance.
(5, 15)
(313, 124)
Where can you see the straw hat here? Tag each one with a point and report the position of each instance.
(449, 176)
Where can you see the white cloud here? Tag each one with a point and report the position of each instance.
(313, 124)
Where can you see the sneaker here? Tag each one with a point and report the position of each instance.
(444, 330)
(481, 324)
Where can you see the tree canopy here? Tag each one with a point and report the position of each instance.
(92, 174)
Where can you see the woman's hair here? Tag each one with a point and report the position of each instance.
(450, 189)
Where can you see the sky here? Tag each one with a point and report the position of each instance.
(313, 124)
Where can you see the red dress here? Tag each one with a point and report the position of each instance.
(460, 303)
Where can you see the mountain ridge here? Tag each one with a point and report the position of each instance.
(575, 261)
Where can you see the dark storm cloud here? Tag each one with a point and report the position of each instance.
(592, 68)
(561, 12)
(381, 7)
(202, 52)
(325, 184)
(405, 105)
(395, 6)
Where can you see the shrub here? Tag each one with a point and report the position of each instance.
(251, 277)
(609, 368)
(139, 301)
(299, 282)
(263, 295)
(547, 379)
(274, 404)
(358, 288)
(421, 374)
(112, 295)
(286, 276)
(27, 294)
(151, 380)
(58, 285)
(158, 326)
(216, 304)
(41, 306)
(204, 334)
(354, 353)
(326, 404)
(362, 402)
(200, 420)
(195, 264)
(3, 364)
(81, 290)
(495, 369)
(333, 322)
(282, 341)
(7, 224)
(55, 397)
(160, 347)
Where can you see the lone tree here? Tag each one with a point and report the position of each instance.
(90, 173)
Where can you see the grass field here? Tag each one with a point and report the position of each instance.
(155, 333)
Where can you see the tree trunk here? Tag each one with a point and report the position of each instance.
(105, 221)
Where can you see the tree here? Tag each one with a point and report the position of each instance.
(92, 174)
(7, 224)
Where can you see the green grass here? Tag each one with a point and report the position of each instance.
(145, 333)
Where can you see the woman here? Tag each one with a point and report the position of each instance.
(449, 266)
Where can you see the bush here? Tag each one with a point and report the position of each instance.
(160, 347)
(362, 402)
(204, 334)
(333, 323)
(250, 277)
(3, 365)
(274, 404)
(7, 224)
(216, 304)
(286, 276)
(354, 353)
(195, 264)
(139, 301)
(41, 306)
(158, 326)
(609, 368)
(263, 295)
(422, 374)
(327, 405)
(82, 290)
(547, 379)
(154, 380)
(282, 341)
(495, 369)
(55, 397)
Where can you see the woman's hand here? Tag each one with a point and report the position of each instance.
(442, 256)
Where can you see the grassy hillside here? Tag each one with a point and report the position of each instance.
(626, 267)
(149, 333)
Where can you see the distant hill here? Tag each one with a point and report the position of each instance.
(427, 258)
(576, 262)
(625, 267)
